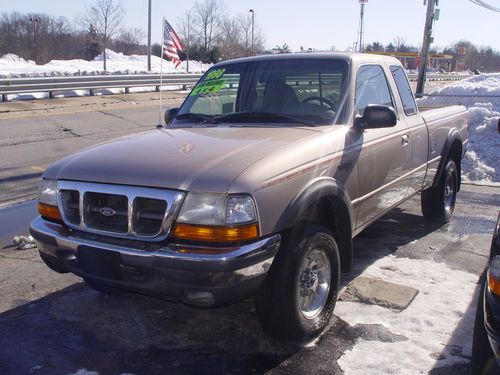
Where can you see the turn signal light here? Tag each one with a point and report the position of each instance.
(49, 212)
(215, 234)
(494, 284)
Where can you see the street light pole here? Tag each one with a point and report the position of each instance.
(149, 35)
(34, 21)
(253, 24)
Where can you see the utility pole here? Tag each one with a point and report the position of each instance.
(253, 24)
(424, 55)
(149, 35)
(361, 30)
(34, 21)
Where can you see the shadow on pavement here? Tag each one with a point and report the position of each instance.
(77, 328)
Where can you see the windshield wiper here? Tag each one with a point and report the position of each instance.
(196, 116)
(260, 115)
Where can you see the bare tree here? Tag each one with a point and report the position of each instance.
(245, 24)
(245, 34)
(106, 17)
(230, 38)
(208, 16)
(130, 41)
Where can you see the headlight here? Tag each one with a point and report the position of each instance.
(47, 192)
(217, 218)
(217, 209)
(47, 200)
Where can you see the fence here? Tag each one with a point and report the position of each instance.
(468, 100)
(52, 85)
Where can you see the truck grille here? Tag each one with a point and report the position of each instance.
(119, 211)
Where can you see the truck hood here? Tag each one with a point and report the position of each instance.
(194, 159)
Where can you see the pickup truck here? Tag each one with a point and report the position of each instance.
(255, 186)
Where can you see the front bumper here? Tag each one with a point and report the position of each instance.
(169, 271)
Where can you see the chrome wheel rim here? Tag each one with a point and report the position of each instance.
(313, 283)
(449, 192)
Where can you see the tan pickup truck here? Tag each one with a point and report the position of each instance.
(256, 185)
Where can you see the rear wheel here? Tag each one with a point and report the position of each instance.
(297, 299)
(438, 202)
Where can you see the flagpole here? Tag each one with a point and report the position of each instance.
(161, 65)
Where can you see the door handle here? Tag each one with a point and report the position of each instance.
(405, 139)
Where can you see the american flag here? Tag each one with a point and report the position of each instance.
(171, 43)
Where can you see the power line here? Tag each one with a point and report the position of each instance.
(485, 5)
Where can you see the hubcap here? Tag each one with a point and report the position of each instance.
(313, 283)
(449, 192)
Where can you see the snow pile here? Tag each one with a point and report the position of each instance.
(481, 95)
(12, 57)
(116, 63)
(430, 322)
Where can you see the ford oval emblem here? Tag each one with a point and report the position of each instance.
(107, 211)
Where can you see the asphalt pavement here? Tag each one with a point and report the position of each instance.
(54, 324)
(37, 133)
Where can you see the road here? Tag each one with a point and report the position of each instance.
(54, 324)
(37, 133)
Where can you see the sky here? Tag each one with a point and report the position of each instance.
(317, 24)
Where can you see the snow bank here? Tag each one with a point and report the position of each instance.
(12, 66)
(481, 95)
(430, 322)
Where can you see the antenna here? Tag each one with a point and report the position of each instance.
(161, 66)
(361, 30)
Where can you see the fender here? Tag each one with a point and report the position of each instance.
(453, 136)
(316, 189)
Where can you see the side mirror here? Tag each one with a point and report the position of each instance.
(376, 116)
(170, 114)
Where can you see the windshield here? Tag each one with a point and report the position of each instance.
(293, 91)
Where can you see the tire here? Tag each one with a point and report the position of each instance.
(438, 202)
(482, 355)
(297, 299)
(104, 289)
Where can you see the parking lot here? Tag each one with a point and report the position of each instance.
(54, 324)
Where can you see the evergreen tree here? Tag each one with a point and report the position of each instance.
(92, 47)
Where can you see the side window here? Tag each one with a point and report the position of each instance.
(404, 90)
(371, 88)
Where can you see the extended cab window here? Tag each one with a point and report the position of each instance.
(371, 88)
(404, 90)
(292, 91)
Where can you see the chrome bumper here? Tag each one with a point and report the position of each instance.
(162, 270)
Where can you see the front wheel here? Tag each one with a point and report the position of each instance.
(297, 299)
(438, 202)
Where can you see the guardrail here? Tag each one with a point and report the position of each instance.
(412, 77)
(51, 85)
